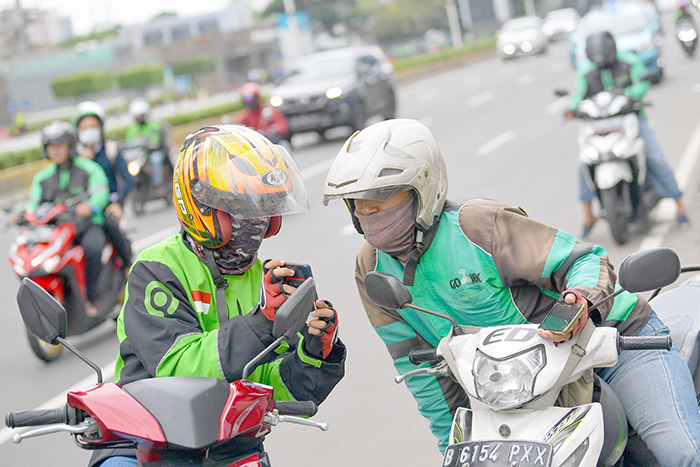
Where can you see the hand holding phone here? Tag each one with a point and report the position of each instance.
(563, 317)
(301, 273)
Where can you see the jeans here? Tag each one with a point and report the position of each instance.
(660, 172)
(92, 241)
(120, 461)
(156, 160)
(658, 396)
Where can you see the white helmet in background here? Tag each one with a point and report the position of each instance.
(139, 107)
(387, 158)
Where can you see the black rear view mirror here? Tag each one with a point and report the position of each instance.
(291, 316)
(387, 291)
(649, 269)
(43, 315)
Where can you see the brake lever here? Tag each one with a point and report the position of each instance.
(441, 369)
(273, 418)
(81, 428)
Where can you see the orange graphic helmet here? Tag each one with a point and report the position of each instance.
(232, 169)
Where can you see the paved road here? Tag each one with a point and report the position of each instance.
(500, 130)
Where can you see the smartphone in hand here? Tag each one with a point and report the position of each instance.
(301, 273)
(562, 318)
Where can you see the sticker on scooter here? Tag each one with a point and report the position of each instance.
(498, 454)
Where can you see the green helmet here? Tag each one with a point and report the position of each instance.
(88, 108)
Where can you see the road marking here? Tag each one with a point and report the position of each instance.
(525, 79)
(558, 105)
(664, 215)
(495, 143)
(480, 98)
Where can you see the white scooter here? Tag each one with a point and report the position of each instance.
(613, 154)
(513, 378)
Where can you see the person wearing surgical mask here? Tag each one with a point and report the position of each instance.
(88, 120)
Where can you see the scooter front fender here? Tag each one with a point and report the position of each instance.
(565, 428)
(609, 174)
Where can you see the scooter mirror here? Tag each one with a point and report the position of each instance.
(561, 92)
(291, 316)
(387, 291)
(649, 269)
(42, 314)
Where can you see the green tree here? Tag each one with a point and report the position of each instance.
(328, 13)
(195, 66)
(82, 84)
(400, 20)
(140, 76)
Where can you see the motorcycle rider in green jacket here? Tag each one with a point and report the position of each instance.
(485, 263)
(231, 186)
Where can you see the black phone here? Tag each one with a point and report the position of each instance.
(562, 317)
(301, 273)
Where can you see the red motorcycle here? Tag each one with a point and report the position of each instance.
(44, 251)
(170, 421)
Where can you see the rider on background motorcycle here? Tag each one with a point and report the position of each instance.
(155, 132)
(261, 117)
(176, 287)
(682, 13)
(609, 71)
(484, 264)
(88, 120)
(67, 177)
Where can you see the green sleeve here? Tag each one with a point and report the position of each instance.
(581, 87)
(638, 87)
(35, 190)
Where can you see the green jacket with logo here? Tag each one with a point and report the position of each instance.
(56, 184)
(488, 264)
(623, 75)
(152, 130)
(169, 327)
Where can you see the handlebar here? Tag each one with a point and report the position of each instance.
(36, 417)
(297, 408)
(644, 343)
(426, 355)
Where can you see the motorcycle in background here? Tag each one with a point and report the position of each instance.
(513, 377)
(613, 155)
(43, 250)
(137, 154)
(687, 36)
(170, 421)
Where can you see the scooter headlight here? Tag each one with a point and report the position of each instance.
(509, 382)
(590, 154)
(621, 148)
(687, 35)
(134, 167)
(19, 270)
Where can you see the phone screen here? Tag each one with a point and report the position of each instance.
(562, 317)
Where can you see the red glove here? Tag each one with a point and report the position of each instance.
(578, 299)
(272, 295)
(328, 332)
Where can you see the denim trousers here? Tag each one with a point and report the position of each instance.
(156, 160)
(120, 461)
(660, 172)
(658, 396)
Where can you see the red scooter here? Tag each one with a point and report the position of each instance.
(44, 251)
(170, 421)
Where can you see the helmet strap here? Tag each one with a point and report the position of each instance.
(221, 284)
(421, 244)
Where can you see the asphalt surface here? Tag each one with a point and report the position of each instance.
(500, 130)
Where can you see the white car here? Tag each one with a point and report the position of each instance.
(521, 36)
(559, 23)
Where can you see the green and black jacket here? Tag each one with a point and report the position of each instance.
(169, 327)
(488, 264)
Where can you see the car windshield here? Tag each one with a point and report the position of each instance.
(558, 15)
(314, 68)
(521, 24)
(617, 25)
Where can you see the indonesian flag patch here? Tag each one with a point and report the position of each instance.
(202, 300)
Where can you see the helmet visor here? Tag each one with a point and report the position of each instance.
(379, 194)
(262, 182)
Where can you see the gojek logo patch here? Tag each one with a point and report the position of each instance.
(466, 278)
(202, 300)
(160, 300)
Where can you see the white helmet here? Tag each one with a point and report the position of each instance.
(139, 107)
(387, 158)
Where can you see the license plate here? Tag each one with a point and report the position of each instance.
(306, 121)
(498, 454)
